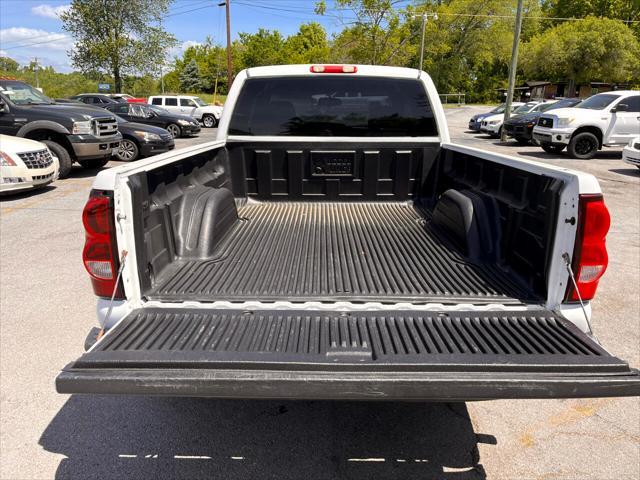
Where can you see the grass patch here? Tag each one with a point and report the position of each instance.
(208, 97)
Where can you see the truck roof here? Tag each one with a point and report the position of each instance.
(621, 92)
(306, 69)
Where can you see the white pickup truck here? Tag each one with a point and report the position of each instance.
(605, 119)
(333, 243)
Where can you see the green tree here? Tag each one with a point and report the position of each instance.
(8, 64)
(190, 78)
(626, 10)
(309, 45)
(582, 51)
(265, 47)
(211, 60)
(468, 45)
(378, 36)
(117, 36)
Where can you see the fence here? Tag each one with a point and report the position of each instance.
(459, 96)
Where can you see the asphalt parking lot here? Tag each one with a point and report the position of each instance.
(47, 307)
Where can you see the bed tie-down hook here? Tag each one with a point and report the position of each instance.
(123, 257)
(567, 262)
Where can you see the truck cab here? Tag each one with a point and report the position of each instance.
(333, 243)
(605, 119)
(73, 132)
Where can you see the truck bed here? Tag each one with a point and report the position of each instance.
(386, 252)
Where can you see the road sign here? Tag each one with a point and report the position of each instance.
(104, 87)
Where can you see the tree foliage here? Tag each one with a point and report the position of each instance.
(467, 46)
(190, 77)
(265, 47)
(117, 36)
(8, 64)
(625, 10)
(592, 49)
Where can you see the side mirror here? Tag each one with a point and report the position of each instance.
(3, 106)
(151, 115)
(621, 107)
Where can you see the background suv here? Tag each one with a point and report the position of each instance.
(190, 105)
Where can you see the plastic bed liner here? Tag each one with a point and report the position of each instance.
(348, 355)
(384, 251)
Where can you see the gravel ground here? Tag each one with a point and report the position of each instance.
(47, 307)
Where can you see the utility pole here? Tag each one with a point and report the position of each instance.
(425, 17)
(35, 68)
(229, 65)
(162, 76)
(424, 27)
(512, 68)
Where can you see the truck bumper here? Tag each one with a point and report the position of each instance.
(555, 136)
(631, 156)
(395, 386)
(87, 147)
(155, 148)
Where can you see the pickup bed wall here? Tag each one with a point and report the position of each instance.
(327, 171)
(194, 231)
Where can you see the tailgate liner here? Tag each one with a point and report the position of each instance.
(384, 252)
(354, 341)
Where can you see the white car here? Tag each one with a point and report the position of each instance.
(605, 119)
(25, 164)
(631, 153)
(493, 124)
(208, 115)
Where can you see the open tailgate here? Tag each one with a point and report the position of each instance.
(349, 355)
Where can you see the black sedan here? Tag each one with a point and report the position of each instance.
(521, 127)
(176, 125)
(139, 140)
(96, 99)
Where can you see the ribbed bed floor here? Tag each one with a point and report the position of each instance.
(334, 251)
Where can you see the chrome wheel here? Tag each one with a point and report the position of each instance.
(174, 130)
(128, 151)
(209, 121)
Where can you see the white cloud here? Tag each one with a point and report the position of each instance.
(49, 11)
(178, 50)
(11, 38)
(189, 43)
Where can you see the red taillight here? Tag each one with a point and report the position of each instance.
(590, 257)
(333, 69)
(99, 254)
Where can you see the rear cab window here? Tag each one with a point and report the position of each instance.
(156, 101)
(348, 106)
(171, 102)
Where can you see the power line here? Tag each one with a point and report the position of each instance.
(64, 36)
(187, 11)
(532, 17)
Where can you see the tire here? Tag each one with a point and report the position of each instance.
(583, 146)
(174, 130)
(63, 157)
(209, 121)
(522, 140)
(128, 151)
(550, 148)
(94, 163)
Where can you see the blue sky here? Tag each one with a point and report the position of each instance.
(30, 28)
